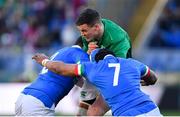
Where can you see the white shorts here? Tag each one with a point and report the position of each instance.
(27, 105)
(88, 91)
(154, 112)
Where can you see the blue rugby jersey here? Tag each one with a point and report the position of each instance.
(50, 87)
(118, 80)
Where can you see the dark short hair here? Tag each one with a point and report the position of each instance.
(89, 17)
(102, 53)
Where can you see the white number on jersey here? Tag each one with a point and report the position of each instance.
(116, 72)
(45, 70)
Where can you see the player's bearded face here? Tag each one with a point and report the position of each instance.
(89, 32)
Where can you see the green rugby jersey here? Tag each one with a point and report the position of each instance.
(114, 38)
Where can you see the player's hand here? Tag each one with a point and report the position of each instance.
(143, 83)
(38, 57)
(92, 46)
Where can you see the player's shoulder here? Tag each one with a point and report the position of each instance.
(72, 49)
(114, 30)
(110, 23)
(66, 51)
(133, 62)
(128, 60)
(107, 20)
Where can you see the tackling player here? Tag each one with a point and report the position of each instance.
(41, 96)
(117, 79)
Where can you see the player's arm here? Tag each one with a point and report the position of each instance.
(148, 77)
(58, 67)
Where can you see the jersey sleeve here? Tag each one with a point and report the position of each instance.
(145, 70)
(85, 69)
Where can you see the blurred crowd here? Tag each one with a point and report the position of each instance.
(29, 26)
(167, 33)
(38, 23)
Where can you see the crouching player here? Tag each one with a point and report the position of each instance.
(41, 96)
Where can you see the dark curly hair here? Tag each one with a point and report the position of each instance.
(102, 53)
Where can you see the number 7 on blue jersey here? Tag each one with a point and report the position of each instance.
(116, 72)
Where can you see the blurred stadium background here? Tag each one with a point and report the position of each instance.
(30, 26)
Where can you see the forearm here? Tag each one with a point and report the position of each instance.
(61, 68)
(150, 78)
(58, 67)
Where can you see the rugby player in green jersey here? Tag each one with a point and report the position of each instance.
(99, 33)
